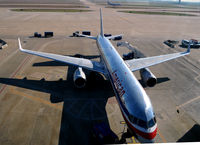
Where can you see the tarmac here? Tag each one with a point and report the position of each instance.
(39, 103)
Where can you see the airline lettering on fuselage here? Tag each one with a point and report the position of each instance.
(118, 84)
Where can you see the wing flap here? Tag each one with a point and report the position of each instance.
(79, 62)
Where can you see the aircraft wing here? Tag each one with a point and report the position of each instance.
(137, 64)
(79, 62)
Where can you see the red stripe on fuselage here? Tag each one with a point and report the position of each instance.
(145, 135)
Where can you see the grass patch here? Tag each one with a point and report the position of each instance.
(50, 10)
(158, 13)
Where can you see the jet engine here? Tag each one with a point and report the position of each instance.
(148, 77)
(79, 78)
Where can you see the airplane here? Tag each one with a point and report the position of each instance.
(134, 103)
(113, 4)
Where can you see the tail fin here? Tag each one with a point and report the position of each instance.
(101, 24)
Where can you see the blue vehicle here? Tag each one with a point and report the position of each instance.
(103, 134)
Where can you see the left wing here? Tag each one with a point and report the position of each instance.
(137, 64)
(79, 62)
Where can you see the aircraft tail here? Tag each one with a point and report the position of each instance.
(101, 24)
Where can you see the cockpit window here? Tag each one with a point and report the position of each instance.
(133, 119)
(138, 121)
(152, 122)
(142, 123)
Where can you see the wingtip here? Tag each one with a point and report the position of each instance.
(189, 46)
(19, 42)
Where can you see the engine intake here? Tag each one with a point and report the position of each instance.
(79, 78)
(148, 77)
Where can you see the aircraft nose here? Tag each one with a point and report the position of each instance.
(149, 137)
(144, 140)
(152, 135)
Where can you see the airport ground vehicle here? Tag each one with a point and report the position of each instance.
(3, 44)
(194, 43)
(48, 34)
(103, 134)
(171, 43)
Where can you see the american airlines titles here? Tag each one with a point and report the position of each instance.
(118, 85)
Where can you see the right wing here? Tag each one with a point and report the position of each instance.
(137, 64)
(79, 62)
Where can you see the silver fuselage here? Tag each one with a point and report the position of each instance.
(130, 95)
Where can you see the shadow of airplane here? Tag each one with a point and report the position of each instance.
(82, 108)
(193, 135)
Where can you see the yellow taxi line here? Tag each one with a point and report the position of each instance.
(161, 136)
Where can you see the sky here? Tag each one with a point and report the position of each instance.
(174, 0)
(183, 0)
(188, 0)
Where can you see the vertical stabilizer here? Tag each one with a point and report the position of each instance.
(101, 24)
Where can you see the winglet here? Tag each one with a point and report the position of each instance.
(20, 46)
(101, 24)
(189, 46)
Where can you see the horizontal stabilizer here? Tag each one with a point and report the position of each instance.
(114, 36)
(87, 36)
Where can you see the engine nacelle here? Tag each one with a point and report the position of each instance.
(148, 77)
(79, 78)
